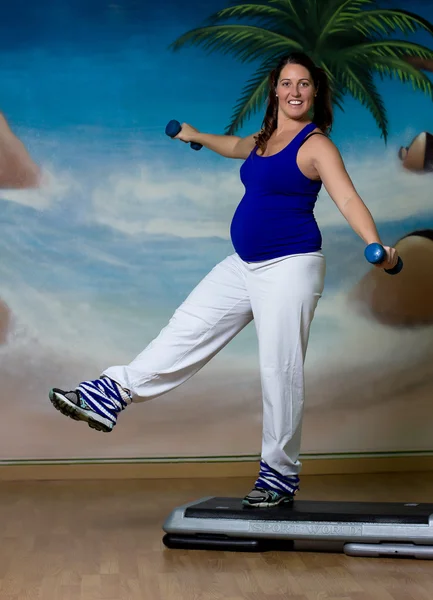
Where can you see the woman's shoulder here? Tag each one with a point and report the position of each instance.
(317, 132)
(245, 146)
(318, 139)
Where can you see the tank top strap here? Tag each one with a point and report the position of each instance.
(307, 137)
(302, 135)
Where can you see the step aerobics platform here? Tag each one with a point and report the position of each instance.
(355, 528)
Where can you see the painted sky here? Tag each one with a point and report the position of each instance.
(129, 221)
(71, 63)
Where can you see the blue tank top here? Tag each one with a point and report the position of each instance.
(275, 216)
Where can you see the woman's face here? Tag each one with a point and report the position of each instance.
(295, 91)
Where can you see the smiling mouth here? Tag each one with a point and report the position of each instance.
(295, 102)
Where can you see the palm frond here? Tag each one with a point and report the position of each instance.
(253, 97)
(359, 83)
(338, 14)
(394, 48)
(245, 42)
(385, 21)
(271, 17)
(337, 89)
(404, 72)
(263, 12)
(310, 8)
(294, 8)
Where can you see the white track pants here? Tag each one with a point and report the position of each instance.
(281, 296)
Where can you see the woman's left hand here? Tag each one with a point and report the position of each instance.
(390, 260)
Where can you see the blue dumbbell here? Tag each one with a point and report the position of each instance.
(173, 128)
(375, 254)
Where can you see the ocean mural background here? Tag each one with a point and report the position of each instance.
(125, 222)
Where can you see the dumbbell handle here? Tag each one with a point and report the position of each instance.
(174, 127)
(375, 254)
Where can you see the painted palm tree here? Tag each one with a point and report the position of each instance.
(354, 41)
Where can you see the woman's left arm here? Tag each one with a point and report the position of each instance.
(331, 169)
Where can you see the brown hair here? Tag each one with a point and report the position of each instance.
(322, 115)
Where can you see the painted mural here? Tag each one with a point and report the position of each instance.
(107, 224)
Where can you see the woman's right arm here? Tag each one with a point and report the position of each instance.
(230, 146)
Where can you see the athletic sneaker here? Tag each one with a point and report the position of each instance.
(259, 498)
(270, 479)
(97, 402)
(271, 488)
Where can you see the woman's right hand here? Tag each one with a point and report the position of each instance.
(187, 133)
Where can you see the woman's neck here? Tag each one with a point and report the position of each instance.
(291, 125)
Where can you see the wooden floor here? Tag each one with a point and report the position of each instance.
(102, 540)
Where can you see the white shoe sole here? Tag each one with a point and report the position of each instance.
(283, 501)
(69, 409)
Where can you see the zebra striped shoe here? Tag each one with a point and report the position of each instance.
(259, 498)
(271, 488)
(96, 402)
